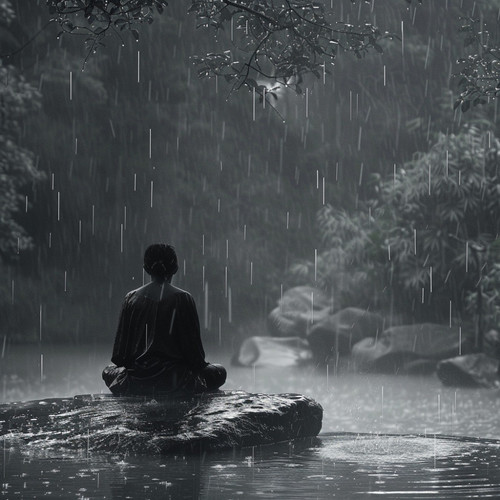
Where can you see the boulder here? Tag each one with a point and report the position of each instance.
(273, 351)
(297, 310)
(401, 348)
(471, 370)
(337, 333)
(205, 422)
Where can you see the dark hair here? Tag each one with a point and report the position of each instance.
(160, 260)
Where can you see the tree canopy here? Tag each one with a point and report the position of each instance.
(278, 41)
(281, 41)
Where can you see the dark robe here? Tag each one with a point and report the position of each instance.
(158, 345)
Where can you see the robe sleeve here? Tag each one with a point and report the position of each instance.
(189, 333)
(120, 345)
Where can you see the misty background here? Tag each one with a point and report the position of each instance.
(106, 153)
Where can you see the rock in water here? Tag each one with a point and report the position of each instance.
(205, 422)
(337, 333)
(273, 351)
(299, 307)
(471, 370)
(401, 347)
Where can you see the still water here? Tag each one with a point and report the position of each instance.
(352, 458)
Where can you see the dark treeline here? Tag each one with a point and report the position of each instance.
(136, 149)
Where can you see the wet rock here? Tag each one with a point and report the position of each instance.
(400, 348)
(273, 351)
(471, 370)
(337, 333)
(297, 310)
(206, 422)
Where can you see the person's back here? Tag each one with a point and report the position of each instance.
(158, 346)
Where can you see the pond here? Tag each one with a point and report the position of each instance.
(352, 457)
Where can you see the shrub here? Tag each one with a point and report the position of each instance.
(419, 244)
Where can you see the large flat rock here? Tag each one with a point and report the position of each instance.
(206, 422)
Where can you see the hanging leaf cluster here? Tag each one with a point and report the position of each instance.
(278, 41)
(478, 80)
(95, 19)
(275, 40)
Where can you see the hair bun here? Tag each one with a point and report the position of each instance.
(160, 260)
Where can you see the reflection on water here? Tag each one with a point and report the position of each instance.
(342, 466)
(334, 465)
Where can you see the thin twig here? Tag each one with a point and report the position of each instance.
(8, 56)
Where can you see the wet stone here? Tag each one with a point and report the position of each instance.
(206, 422)
(471, 370)
(296, 309)
(273, 351)
(336, 333)
(409, 349)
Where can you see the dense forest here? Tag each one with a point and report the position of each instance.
(368, 184)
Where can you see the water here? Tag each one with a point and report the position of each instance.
(342, 466)
(350, 459)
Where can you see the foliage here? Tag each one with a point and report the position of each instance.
(479, 75)
(281, 42)
(431, 222)
(483, 302)
(95, 19)
(445, 208)
(479, 72)
(348, 266)
(381, 111)
(17, 166)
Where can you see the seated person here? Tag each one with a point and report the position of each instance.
(158, 346)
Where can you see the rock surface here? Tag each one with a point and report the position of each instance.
(206, 422)
(297, 310)
(273, 351)
(399, 348)
(337, 333)
(471, 370)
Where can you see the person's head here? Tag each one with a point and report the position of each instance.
(160, 261)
